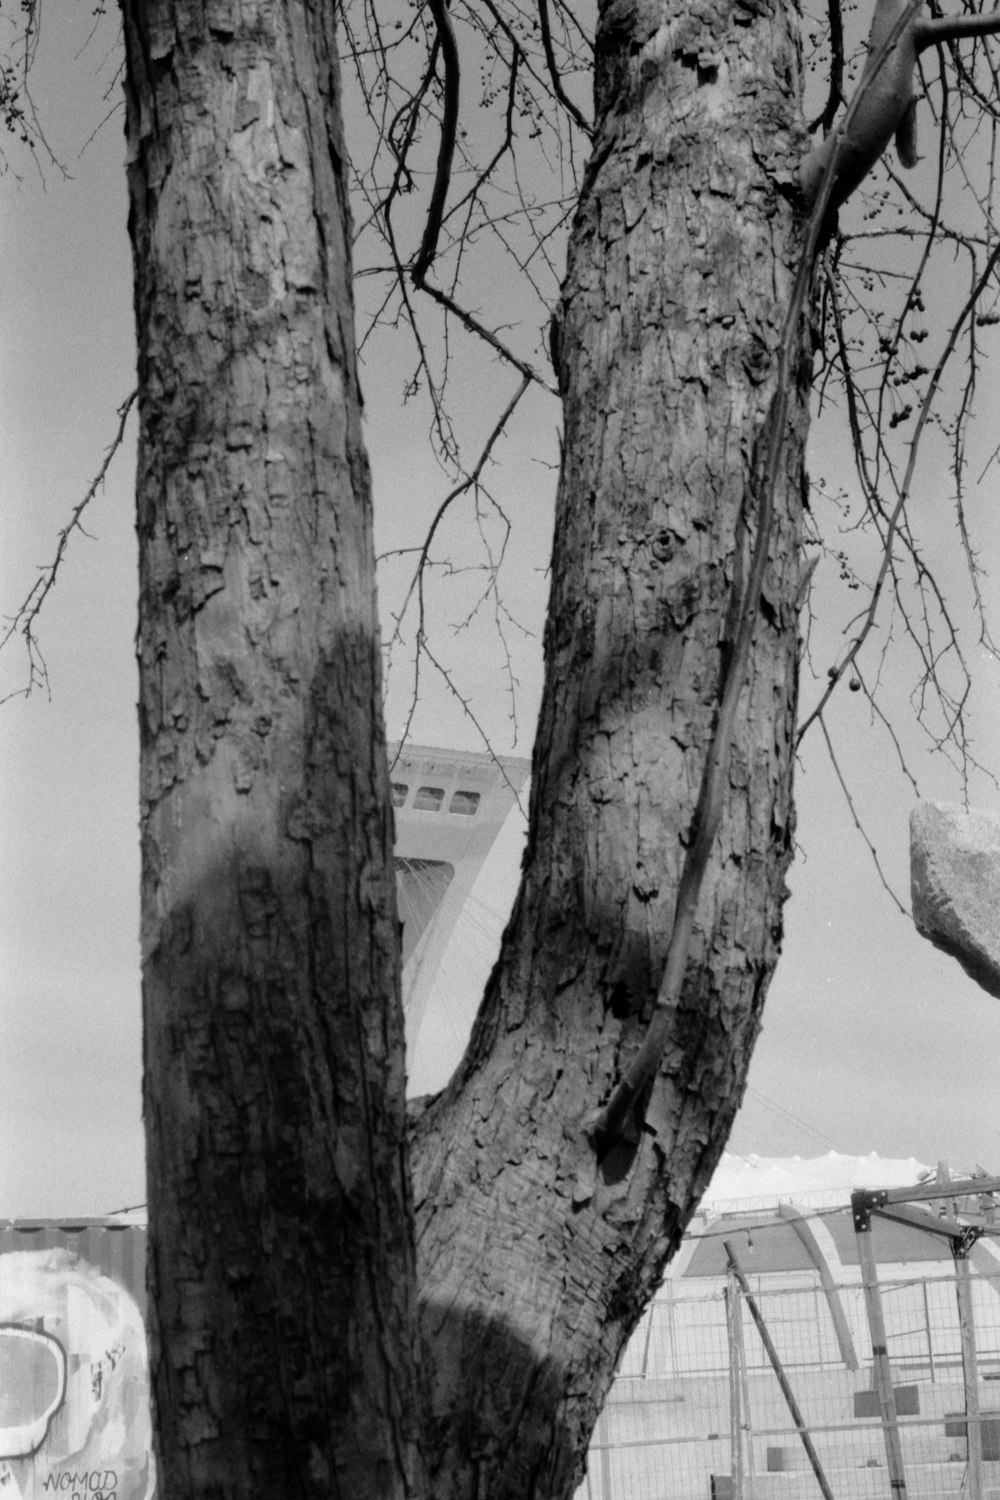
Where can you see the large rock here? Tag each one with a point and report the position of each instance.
(955, 886)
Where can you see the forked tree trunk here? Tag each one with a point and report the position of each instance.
(281, 1269)
(284, 1331)
(534, 1260)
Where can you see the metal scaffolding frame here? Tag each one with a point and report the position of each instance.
(896, 1204)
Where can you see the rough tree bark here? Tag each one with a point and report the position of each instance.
(281, 1268)
(284, 1334)
(535, 1260)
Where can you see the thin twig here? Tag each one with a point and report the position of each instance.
(857, 821)
(895, 518)
(22, 622)
(416, 582)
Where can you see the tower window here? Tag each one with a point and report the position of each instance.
(429, 799)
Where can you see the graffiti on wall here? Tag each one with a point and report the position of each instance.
(74, 1382)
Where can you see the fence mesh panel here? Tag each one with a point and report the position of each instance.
(697, 1410)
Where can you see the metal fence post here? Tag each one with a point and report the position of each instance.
(776, 1365)
(861, 1206)
(930, 1335)
(970, 1367)
(734, 1315)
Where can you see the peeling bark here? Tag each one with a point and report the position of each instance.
(281, 1271)
(282, 1276)
(535, 1262)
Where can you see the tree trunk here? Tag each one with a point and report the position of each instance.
(282, 1274)
(283, 1328)
(535, 1260)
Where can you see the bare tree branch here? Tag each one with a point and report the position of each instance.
(24, 619)
(550, 62)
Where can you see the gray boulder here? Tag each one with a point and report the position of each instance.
(955, 886)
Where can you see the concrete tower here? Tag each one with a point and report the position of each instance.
(449, 807)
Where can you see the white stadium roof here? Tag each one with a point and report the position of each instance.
(748, 1182)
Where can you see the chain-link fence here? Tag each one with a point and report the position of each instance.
(699, 1409)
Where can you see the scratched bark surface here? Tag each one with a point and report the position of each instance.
(281, 1262)
(534, 1260)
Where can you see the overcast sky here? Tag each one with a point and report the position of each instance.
(872, 1040)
